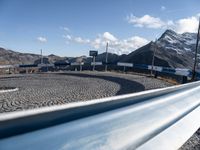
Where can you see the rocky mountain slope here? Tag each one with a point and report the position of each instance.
(12, 57)
(171, 50)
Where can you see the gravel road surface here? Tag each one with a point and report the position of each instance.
(37, 90)
(193, 143)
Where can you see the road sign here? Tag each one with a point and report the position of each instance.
(96, 63)
(77, 63)
(125, 64)
(93, 53)
(155, 68)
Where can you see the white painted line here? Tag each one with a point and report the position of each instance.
(10, 90)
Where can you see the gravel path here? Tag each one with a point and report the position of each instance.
(37, 90)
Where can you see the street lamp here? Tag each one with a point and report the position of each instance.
(196, 51)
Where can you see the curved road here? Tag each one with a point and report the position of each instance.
(37, 90)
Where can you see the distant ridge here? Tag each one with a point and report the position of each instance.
(172, 50)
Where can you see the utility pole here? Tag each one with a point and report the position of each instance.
(93, 54)
(41, 57)
(153, 59)
(106, 56)
(80, 66)
(93, 63)
(196, 52)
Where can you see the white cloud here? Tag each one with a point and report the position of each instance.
(78, 40)
(118, 46)
(109, 37)
(42, 39)
(81, 40)
(169, 23)
(146, 21)
(65, 29)
(128, 45)
(189, 24)
(96, 43)
(163, 8)
(68, 37)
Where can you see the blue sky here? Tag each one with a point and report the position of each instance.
(73, 27)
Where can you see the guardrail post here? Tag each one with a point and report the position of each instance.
(155, 74)
(124, 69)
(184, 79)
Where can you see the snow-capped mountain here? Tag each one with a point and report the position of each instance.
(178, 42)
(171, 50)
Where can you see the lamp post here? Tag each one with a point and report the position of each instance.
(106, 56)
(153, 59)
(196, 51)
(41, 57)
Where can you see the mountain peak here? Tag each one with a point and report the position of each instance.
(180, 43)
(51, 55)
(168, 32)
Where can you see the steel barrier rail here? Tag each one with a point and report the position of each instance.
(155, 119)
(6, 66)
(175, 71)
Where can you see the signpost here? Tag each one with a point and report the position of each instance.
(93, 53)
(124, 65)
(78, 64)
(106, 56)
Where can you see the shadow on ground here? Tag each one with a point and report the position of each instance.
(126, 86)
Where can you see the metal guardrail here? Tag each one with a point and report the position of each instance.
(155, 119)
(6, 66)
(176, 71)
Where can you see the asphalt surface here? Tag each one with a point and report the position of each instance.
(38, 90)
